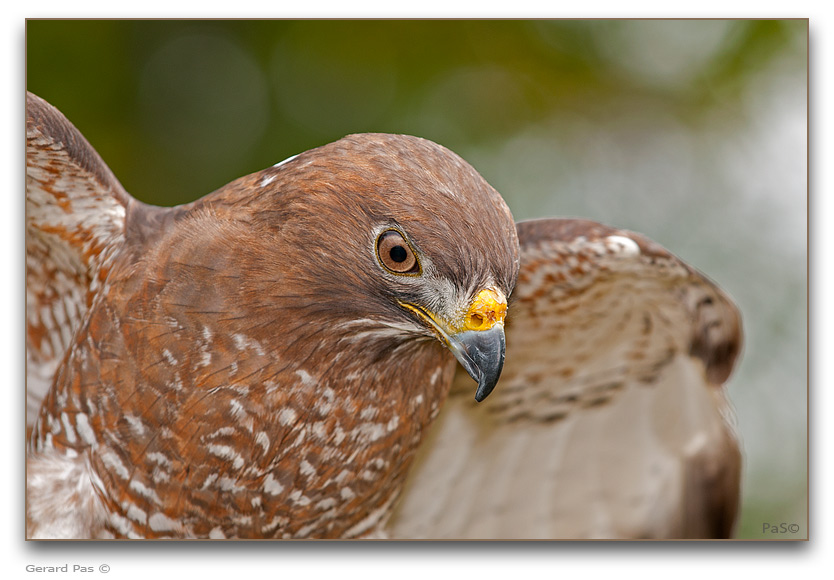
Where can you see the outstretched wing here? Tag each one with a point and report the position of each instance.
(75, 212)
(609, 421)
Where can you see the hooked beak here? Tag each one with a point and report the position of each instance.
(478, 340)
(481, 354)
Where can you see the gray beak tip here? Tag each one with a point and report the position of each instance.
(481, 353)
(484, 389)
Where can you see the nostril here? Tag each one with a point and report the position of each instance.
(476, 321)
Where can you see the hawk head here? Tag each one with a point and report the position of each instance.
(384, 237)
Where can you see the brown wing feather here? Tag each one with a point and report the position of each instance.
(609, 420)
(715, 337)
(75, 211)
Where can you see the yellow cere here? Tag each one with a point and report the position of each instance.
(487, 309)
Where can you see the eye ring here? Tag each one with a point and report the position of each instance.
(396, 255)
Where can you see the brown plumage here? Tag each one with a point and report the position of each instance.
(266, 361)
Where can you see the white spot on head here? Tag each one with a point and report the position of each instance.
(287, 160)
(622, 245)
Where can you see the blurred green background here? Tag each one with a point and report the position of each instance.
(693, 132)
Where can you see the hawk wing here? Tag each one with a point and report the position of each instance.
(609, 421)
(75, 212)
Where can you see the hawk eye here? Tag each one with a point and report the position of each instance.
(396, 254)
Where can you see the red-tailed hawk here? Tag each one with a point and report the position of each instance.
(268, 360)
